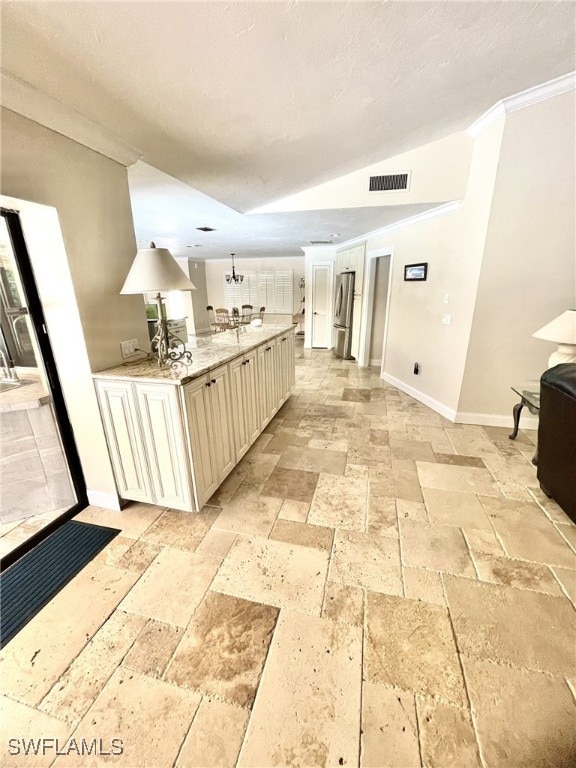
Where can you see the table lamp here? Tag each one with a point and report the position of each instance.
(562, 330)
(154, 270)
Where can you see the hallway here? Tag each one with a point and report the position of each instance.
(372, 585)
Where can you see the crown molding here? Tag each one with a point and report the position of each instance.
(440, 210)
(520, 100)
(23, 98)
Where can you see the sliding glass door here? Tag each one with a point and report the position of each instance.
(40, 474)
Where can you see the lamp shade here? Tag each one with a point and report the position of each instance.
(154, 269)
(562, 330)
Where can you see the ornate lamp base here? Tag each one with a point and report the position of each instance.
(164, 345)
(566, 353)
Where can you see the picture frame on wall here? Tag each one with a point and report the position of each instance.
(416, 271)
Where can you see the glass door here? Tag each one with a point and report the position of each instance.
(41, 479)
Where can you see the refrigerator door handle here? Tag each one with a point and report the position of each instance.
(338, 307)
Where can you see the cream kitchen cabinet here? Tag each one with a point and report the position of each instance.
(352, 260)
(284, 379)
(267, 396)
(145, 439)
(121, 420)
(173, 442)
(208, 412)
(245, 401)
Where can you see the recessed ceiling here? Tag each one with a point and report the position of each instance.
(170, 213)
(250, 102)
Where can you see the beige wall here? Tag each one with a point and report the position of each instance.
(217, 268)
(439, 173)
(96, 237)
(453, 246)
(197, 273)
(528, 271)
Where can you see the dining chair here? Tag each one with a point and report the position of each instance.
(235, 317)
(222, 319)
(211, 318)
(246, 314)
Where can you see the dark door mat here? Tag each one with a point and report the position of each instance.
(29, 583)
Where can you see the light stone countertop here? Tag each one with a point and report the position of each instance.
(208, 352)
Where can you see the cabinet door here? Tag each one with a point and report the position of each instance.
(165, 444)
(241, 441)
(251, 395)
(198, 417)
(290, 361)
(269, 379)
(220, 435)
(283, 367)
(263, 396)
(124, 439)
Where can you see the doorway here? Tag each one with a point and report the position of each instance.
(375, 321)
(41, 481)
(321, 306)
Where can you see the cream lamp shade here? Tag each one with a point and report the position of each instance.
(154, 270)
(561, 330)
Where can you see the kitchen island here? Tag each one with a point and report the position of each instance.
(174, 436)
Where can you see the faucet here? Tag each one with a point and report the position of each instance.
(240, 329)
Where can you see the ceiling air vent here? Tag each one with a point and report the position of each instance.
(389, 182)
(205, 229)
(320, 242)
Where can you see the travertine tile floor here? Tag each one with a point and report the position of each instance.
(371, 586)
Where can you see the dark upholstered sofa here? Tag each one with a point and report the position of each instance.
(557, 436)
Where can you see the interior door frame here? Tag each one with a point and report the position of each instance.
(329, 301)
(36, 314)
(368, 308)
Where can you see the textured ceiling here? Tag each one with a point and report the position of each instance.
(168, 212)
(251, 102)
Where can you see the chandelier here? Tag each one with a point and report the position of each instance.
(234, 278)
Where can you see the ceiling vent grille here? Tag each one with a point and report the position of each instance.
(389, 182)
(320, 242)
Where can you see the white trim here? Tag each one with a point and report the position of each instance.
(375, 363)
(495, 420)
(101, 499)
(19, 96)
(520, 100)
(368, 305)
(440, 408)
(440, 210)
(329, 302)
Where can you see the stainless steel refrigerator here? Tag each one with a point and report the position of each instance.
(343, 315)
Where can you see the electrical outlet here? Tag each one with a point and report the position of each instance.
(128, 348)
(446, 319)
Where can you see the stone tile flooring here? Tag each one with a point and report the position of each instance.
(371, 586)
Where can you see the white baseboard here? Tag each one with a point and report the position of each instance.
(495, 420)
(527, 421)
(375, 362)
(105, 500)
(440, 408)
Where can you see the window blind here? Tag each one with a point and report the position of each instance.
(273, 289)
